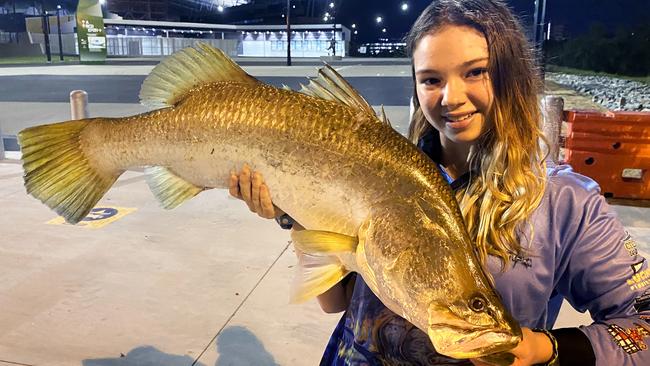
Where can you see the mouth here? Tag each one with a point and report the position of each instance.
(459, 121)
(478, 344)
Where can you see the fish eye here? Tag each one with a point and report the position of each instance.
(477, 304)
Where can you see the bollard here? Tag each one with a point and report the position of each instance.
(79, 104)
(552, 111)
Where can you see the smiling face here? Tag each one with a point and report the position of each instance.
(452, 82)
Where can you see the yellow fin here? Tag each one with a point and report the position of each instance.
(383, 117)
(170, 189)
(318, 267)
(188, 68)
(58, 173)
(330, 85)
(315, 274)
(323, 242)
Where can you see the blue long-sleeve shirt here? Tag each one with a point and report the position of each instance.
(578, 251)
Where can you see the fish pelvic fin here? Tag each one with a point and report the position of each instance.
(323, 242)
(330, 85)
(319, 268)
(170, 189)
(186, 69)
(57, 171)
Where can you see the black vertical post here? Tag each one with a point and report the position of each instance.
(46, 31)
(58, 26)
(542, 33)
(288, 33)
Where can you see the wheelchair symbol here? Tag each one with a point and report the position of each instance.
(100, 213)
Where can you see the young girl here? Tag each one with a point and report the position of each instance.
(544, 233)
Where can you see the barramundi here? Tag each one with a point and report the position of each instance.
(369, 200)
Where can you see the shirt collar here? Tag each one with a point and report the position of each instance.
(431, 147)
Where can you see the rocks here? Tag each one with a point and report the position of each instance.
(612, 93)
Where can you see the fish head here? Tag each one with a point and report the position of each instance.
(472, 326)
(426, 269)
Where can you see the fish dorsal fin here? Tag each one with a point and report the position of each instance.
(383, 117)
(170, 189)
(188, 68)
(330, 85)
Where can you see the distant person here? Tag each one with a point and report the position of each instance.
(544, 233)
(332, 46)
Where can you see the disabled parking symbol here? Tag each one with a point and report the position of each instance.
(100, 213)
(97, 217)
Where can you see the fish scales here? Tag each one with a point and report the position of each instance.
(370, 200)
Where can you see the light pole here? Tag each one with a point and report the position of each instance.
(58, 26)
(288, 33)
(538, 32)
(46, 34)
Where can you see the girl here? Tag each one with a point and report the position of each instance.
(545, 234)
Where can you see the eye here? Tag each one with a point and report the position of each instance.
(430, 81)
(477, 304)
(477, 73)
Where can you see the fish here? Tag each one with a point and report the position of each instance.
(370, 201)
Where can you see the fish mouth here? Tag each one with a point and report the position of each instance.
(463, 343)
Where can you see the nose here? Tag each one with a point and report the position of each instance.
(454, 94)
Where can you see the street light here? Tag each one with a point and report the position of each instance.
(288, 33)
(383, 30)
(58, 26)
(405, 6)
(331, 5)
(379, 19)
(354, 25)
(220, 9)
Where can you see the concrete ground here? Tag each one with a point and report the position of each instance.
(206, 283)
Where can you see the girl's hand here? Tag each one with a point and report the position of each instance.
(534, 348)
(249, 186)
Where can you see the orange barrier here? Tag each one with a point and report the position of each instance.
(612, 148)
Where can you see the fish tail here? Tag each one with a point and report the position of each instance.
(57, 171)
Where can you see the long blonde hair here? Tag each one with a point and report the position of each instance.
(507, 162)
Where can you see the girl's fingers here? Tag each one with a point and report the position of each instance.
(233, 185)
(245, 186)
(255, 192)
(268, 209)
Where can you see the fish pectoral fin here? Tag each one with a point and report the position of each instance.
(323, 242)
(170, 189)
(330, 85)
(186, 69)
(315, 274)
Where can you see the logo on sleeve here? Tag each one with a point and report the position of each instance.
(639, 280)
(518, 258)
(630, 245)
(631, 340)
(636, 267)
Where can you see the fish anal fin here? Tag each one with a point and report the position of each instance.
(315, 274)
(186, 69)
(170, 189)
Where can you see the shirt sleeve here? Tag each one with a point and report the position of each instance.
(601, 270)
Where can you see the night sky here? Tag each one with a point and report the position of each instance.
(576, 15)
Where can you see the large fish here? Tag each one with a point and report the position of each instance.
(371, 202)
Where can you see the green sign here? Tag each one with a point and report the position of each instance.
(91, 33)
